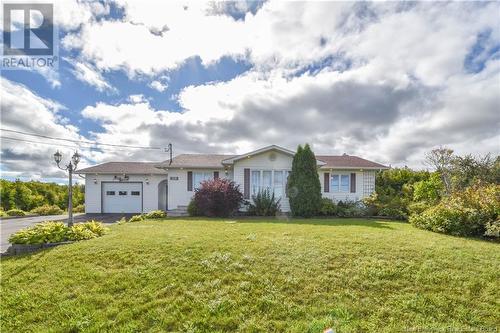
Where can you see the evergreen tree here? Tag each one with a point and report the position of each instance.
(304, 188)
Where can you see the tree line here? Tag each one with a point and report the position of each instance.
(32, 194)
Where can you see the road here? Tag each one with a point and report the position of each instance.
(10, 226)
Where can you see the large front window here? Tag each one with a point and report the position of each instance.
(199, 177)
(340, 183)
(271, 180)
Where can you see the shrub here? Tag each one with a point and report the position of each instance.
(304, 188)
(350, 208)
(218, 198)
(192, 209)
(156, 214)
(16, 212)
(79, 209)
(3, 213)
(328, 207)
(55, 232)
(46, 232)
(493, 229)
(136, 218)
(47, 210)
(87, 230)
(264, 203)
(472, 212)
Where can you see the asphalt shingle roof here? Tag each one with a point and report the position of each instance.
(124, 167)
(347, 161)
(197, 161)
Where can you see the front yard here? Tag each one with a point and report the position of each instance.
(255, 276)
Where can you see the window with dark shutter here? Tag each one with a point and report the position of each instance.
(353, 182)
(326, 182)
(190, 181)
(216, 174)
(246, 183)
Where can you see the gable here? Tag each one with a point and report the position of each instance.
(271, 159)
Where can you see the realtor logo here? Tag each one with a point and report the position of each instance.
(28, 35)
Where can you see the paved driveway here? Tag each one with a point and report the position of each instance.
(10, 226)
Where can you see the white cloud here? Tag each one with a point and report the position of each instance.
(158, 85)
(87, 74)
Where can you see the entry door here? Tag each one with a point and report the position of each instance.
(122, 198)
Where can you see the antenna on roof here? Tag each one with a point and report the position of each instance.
(169, 150)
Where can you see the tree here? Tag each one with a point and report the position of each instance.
(441, 159)
(304, 188)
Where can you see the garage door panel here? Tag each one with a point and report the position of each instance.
(122, 197)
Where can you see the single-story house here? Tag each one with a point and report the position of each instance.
(134, 187)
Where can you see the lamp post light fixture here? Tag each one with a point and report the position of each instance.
(71, 168)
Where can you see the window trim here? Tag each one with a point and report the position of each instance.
(203, 173)
(338, 189)
(285, 174)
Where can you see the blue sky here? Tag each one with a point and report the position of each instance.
(380, 80)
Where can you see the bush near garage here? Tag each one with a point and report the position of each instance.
(56, 232)
(136, 218)
(156, 214)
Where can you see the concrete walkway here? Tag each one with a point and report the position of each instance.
(10, 226)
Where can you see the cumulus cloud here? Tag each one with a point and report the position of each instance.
(158, 85)
(87, 74)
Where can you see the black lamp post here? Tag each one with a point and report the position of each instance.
(71, 167)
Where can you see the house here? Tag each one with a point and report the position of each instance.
(133, 187)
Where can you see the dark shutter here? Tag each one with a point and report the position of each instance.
(326, 181)
(246, 183)
(216, 174)
(190, 181)
(353, 182)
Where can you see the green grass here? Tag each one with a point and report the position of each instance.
(255, 276)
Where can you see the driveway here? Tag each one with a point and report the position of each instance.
(10, 226)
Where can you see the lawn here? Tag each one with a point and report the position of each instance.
(256, 276)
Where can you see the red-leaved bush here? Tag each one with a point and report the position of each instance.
(218, 198)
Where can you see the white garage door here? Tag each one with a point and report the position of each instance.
(122, 197)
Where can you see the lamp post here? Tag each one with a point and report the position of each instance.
(71, 167)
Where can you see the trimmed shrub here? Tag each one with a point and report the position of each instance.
(79, 209)
(192, 209)
(56, 232)
(156, 214)
(47, 210)
(472, 212)
(46, 232)
(16, 212)
(304, 188)
(328, 207)
(136, 218)
(264, 203)
(218, 198)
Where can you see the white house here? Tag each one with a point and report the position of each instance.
(133, 187)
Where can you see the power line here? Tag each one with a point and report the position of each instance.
(79, 141)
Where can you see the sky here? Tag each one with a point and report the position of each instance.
(386, 81)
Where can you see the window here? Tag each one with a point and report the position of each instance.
(340, 183)
(271, 180)
(255, 182)
(110, 192)
(199, 177)
(135, 193)
(122, 192)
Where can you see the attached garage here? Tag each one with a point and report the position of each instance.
(122, 197)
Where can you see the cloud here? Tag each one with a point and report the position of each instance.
(158, 85)
(22, 110)
(87, 74)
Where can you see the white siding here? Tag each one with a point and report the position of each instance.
(93, 190)
(178, 195)
(270, 160)
(337, 196)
